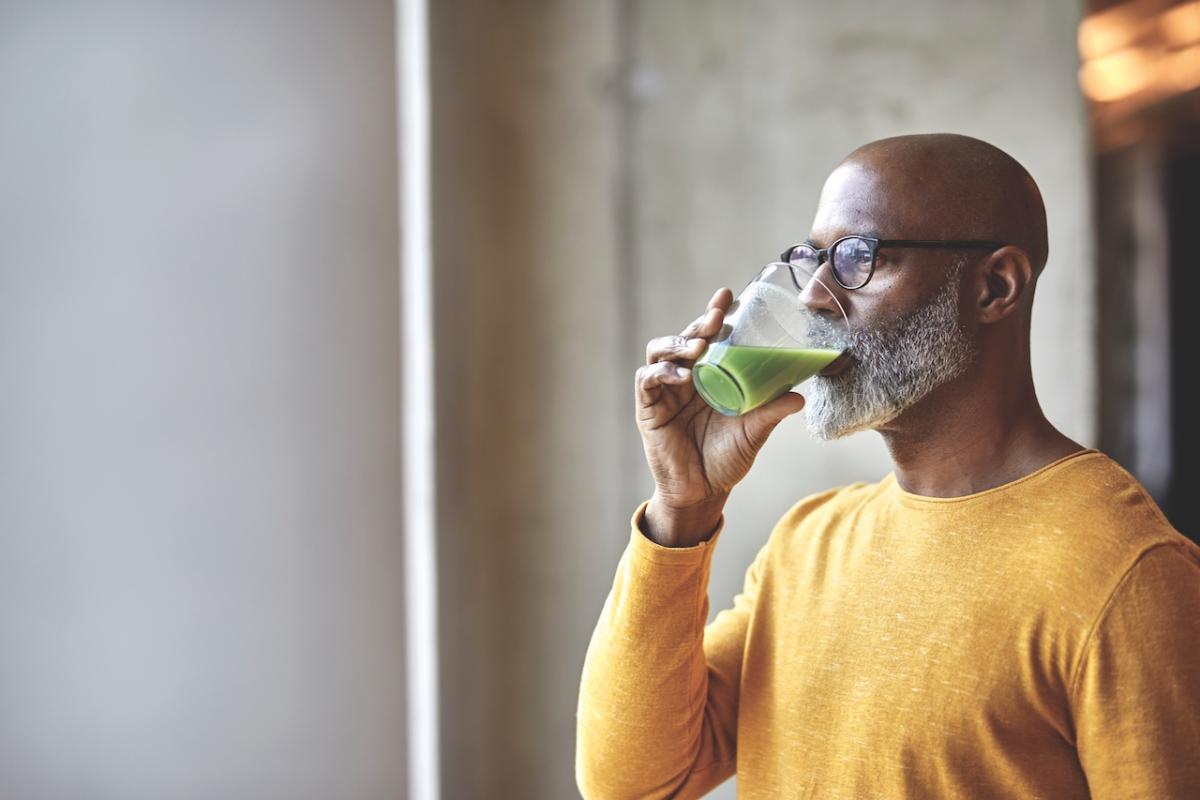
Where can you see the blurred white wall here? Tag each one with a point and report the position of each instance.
(599, 170)
(199, 438)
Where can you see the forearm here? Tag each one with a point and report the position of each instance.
(645, 726)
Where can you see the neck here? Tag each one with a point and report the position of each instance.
(974, 433)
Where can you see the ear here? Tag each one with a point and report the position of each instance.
(1004, 281)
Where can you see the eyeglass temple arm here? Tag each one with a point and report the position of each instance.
(972, 244)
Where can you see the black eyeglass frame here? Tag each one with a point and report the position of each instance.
(825, 253)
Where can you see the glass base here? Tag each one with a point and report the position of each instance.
(719, 389)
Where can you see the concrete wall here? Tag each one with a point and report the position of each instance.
(601, 168)
(199, 431)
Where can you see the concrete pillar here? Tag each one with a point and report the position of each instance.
(532, 398)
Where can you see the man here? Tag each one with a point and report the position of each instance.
(1006, 615)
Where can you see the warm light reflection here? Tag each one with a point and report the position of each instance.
(1183, 68)
(1128, 51)
(1105, 31)
(1116, 75)
(1180, 26)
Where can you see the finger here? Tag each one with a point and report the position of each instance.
(649, 380)
(721, 298)
(763, 419)
(704, 325)
(674, 348)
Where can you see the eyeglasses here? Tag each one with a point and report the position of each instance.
(852, 258)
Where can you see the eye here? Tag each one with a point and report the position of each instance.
(852, 261)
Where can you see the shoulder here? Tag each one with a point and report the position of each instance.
(1108, 513)
(1153, 609)
(1089, 534)
(1169, 570)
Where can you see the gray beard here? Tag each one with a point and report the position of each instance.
(893, 368)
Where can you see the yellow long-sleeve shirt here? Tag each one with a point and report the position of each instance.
(1036, 640)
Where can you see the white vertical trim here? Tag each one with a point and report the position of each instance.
(417, 393)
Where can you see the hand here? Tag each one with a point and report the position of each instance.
(696, 454)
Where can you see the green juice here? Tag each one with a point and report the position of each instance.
(734, 379)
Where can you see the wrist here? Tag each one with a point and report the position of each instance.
(686, 526)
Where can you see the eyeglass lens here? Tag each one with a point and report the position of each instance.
(851, 262)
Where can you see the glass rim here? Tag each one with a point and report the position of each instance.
(800, 289)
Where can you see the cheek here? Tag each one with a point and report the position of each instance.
(884, 300)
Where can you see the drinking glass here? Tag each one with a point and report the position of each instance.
(771, 341)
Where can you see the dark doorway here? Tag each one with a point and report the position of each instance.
(1146, 133)
(1183, 214)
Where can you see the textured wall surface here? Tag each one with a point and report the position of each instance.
(199, 434)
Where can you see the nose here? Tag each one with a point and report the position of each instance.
(819, 294)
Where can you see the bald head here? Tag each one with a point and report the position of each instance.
(947, 186)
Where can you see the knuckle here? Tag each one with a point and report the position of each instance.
(655, 374)
(658, 348)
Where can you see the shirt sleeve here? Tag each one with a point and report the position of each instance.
(1137, 692)
(657, 714)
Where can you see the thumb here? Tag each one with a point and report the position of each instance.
(764, 418)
